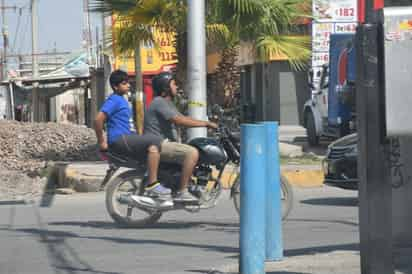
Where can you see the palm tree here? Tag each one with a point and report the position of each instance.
(268, 25)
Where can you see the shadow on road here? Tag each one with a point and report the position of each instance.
(62, 257)
(218, 272)
(316, 249)
(321, 249)
(209, 226)
(287, 272)
(54, 236)
(323, 221)
(333, 201)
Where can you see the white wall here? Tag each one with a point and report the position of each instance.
(68, 107)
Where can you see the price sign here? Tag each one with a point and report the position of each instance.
(320, 58)
(321, 36)
(335, 10)
(345, 27)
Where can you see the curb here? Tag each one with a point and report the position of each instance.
(87, 176)
(304, 178)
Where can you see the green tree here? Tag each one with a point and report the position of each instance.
(270, 26)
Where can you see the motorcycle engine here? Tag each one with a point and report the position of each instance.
(203, 175)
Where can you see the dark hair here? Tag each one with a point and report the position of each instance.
(118, 76)
(161, 83)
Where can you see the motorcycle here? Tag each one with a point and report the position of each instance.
(128, 206)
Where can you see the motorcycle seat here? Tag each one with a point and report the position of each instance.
(121, 160)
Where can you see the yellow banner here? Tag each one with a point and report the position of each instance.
(153, 60)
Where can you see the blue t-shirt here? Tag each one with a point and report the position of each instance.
(118, 114)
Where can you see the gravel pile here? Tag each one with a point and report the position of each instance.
(27, 148)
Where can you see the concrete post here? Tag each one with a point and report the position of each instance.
(252, 199)
(274, 244)
(375, 192)
(197, 65)
(35, 104)
(97, 94)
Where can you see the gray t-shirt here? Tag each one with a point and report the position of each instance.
(157, 119)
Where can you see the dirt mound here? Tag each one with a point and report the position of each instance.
(27, 147)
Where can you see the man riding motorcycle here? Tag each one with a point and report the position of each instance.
(161, 120)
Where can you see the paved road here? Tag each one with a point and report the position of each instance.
(75, 235)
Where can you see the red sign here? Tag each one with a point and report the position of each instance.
(377, 4)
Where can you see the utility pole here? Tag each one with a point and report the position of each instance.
(5, 42)
(139, 98)
(87, 33)
(197, 65)
(375, 190)
(35, 67)
(5, 35)
(103, 48)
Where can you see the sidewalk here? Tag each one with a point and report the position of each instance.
(336, 262)
(333, 262)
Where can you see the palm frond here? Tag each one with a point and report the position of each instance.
(128, 36)
(110, 6)
(218, 35)
(295, 48)
(244, 6)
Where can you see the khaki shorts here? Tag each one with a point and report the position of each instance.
(172, 152)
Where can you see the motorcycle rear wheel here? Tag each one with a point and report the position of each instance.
(128, 183)
(286, 196)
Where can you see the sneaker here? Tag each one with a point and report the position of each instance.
(157, 190)
(184, 196)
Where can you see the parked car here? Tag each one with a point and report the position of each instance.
(340, 163)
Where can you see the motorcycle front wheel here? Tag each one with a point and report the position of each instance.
(122, 212)
(286, 196)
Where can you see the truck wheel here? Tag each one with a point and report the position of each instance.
(313, 138)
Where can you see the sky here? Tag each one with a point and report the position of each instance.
(60, 25)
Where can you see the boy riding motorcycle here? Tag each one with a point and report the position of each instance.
(116, 114)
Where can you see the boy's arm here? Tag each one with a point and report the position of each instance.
(98, 128)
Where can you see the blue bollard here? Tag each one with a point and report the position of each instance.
(274, 244)
(252, 199)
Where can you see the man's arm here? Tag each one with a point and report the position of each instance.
(186, 121)
(98, 128)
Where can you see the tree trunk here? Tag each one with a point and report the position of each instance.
(225, 83)
(181, 51)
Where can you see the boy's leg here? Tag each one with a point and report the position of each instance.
(141, 147)
(153, 159)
